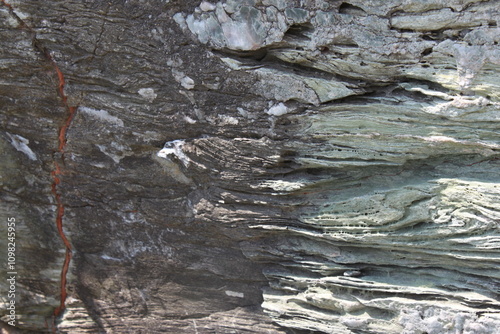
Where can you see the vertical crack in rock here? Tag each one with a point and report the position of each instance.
(57, 172)
(56, 176)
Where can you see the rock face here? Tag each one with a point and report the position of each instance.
(252, 166)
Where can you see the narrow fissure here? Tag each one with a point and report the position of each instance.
(57, 172)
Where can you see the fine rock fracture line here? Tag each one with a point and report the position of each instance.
(62, 144)
(55, 174)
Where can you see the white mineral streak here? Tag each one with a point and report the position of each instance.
(279, 185)
(101, 115)
(187, 82)
(174, 148)
(189, 120)
(277, 110)
(462, 105)
(183, 79)
(148, 93)
(21, 144)
(227, 120)
(234, 294)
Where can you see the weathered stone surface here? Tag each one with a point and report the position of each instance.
(256, 166)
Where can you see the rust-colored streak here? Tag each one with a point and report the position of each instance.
(57, 172)
(60, 76)
(57, 180)
(482, 161)
(65, 127)
(6, 4)
(60, 206)
(67, 244)
(64, 294)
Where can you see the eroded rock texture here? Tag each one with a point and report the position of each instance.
(329, 166)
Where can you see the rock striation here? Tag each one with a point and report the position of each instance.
(252, 166)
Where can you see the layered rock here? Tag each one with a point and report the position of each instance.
(255, 166)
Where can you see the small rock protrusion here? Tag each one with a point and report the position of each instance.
(352, 273)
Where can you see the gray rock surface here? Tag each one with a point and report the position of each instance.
(253, 166)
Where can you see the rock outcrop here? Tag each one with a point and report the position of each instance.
(251, 166)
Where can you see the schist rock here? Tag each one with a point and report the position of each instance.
(251, 166)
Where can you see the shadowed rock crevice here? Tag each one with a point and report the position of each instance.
(347, 8)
